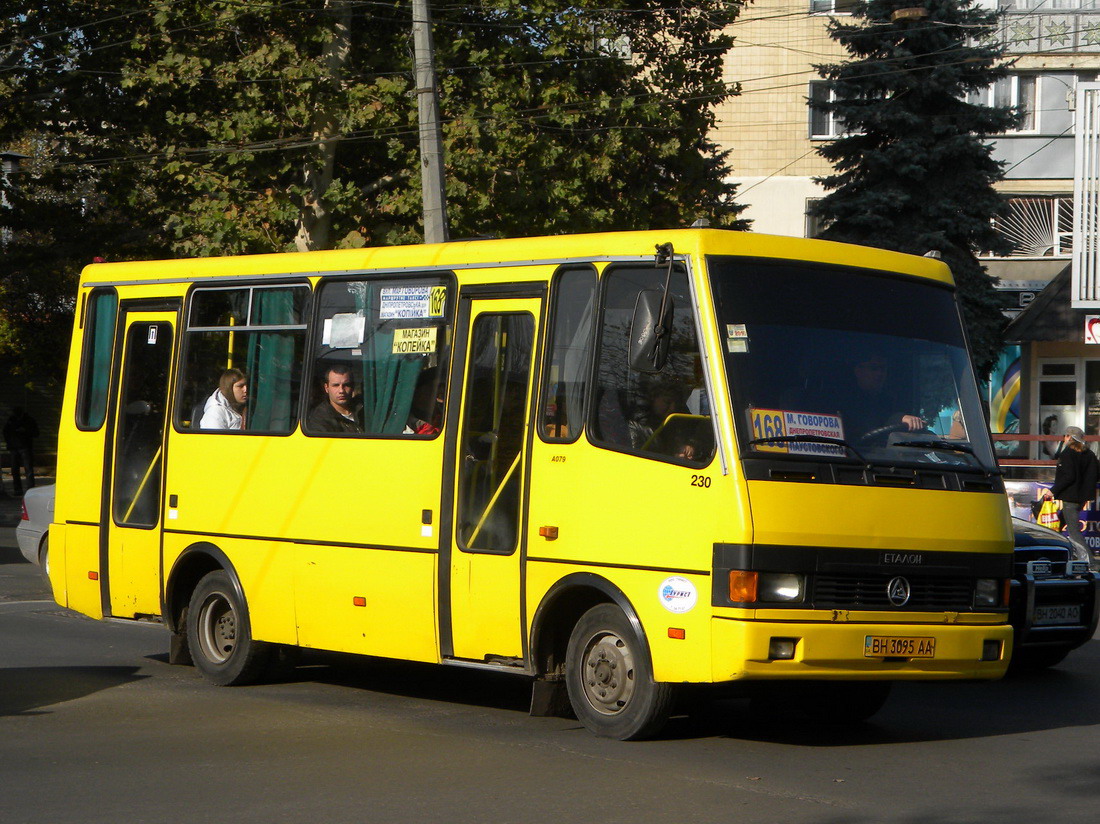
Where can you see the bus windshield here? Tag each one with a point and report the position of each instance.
(827, 363)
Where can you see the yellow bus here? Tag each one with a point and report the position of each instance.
(611, 463)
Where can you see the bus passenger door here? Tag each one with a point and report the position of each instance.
(130, 559)
(482, 615)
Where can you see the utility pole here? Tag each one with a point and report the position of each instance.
(431, 139)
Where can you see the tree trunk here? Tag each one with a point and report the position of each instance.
(315, 219)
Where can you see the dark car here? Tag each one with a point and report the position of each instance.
(1053, 603)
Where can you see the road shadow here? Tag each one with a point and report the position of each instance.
(915, 712)
(430, 682)
(26, 690)
(11, 555)
(920, 712)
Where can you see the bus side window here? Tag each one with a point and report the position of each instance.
(381, 362)
(243, 362)
(569, 353)
(95, 366)
(664, 415)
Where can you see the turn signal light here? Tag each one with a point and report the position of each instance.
(677, 633)
(358, 601)
(743, 586)
(93, 575)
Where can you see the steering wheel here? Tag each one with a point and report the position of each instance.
(870, 435)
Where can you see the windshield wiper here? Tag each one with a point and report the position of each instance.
(943, 446)
(811, 439)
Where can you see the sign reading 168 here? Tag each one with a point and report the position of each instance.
(769, 423)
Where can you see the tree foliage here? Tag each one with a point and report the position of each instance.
(199, 127)
(914, 171)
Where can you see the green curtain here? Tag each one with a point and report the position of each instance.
(389, 380)
(272, 363)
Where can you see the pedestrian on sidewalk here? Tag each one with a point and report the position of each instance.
(20, 432)
(1075, 481)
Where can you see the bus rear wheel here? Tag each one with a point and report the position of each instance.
(219, 634)
(610, 679)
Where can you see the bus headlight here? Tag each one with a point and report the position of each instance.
(987, 592)
(748, 587)
(780, 586)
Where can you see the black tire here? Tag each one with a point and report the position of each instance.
(1025, 660)
(610, 678)
(44, 560)
(219, 634)
(822, 702)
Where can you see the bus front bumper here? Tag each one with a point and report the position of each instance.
(760, 650)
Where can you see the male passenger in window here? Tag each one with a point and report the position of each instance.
(335, 412)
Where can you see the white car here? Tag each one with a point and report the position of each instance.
(32, 533)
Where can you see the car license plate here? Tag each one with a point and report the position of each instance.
(1055, 614)
(894, 646)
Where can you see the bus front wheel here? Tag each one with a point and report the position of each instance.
(219, 634)
(610, 679)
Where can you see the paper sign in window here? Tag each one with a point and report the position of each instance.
(344, 331)
(416, 341)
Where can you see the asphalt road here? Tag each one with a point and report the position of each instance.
(95, 726)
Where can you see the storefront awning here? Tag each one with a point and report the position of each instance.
(1051, 316)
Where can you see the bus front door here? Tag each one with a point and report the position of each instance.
(130, 559)
(486, 621)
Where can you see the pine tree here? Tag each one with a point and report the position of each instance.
(914, 171)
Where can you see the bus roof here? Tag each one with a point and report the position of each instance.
(520, 251)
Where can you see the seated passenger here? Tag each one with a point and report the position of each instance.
(335, 413)
(225, 408)
(426, 412)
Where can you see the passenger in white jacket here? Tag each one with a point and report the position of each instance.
(225, 407)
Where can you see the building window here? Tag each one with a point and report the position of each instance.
(1019, 91)
(1048, 5)
(1038, 226)
(832, 6)
(823, 125)
(815, 224)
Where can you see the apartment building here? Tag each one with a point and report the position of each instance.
(1050, 373)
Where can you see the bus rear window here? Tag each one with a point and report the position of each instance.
(95, 367)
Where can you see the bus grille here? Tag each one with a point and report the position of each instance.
(869, 592)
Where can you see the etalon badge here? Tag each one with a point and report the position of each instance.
(898, 591)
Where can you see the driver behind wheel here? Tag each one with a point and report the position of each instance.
(873, 402)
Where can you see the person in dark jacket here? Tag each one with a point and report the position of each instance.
(1075, 482)
(335, 412)
(20, 432)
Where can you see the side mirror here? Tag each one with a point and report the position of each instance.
(650, 334)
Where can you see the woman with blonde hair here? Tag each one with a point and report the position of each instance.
(225, 407)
